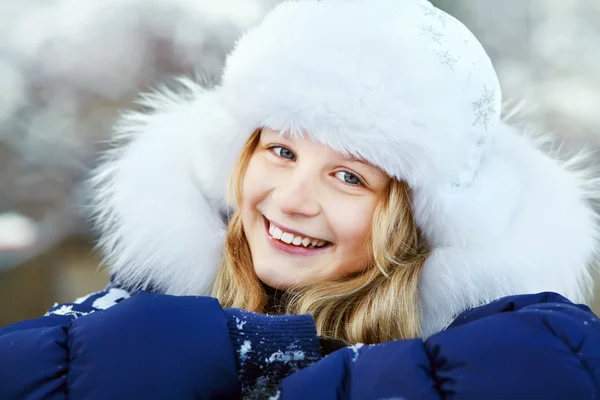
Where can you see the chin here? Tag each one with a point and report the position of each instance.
(274, 277)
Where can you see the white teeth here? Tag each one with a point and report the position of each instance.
(287, 237)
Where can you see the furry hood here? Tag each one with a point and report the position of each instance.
(419, 99)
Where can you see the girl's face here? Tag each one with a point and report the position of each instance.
(307, 211)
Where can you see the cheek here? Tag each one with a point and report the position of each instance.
(352, 229)
(351, 224)
(253, 186)
(255, 191)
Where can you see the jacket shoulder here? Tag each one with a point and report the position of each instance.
(541, 302)
(520, 347)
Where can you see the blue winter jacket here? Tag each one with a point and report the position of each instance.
(152, 346)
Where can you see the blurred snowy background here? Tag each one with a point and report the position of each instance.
(67, 67)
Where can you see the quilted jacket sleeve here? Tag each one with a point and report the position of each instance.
(149, 346)
(522, 347)
(34, 357)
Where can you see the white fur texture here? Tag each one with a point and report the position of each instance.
(501, 216)
(159, 226)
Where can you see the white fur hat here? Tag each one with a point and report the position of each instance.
(396, 82)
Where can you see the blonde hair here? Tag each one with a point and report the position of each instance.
(379, 304)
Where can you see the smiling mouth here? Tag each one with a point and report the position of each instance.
(299, 241)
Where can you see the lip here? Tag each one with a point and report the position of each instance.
(290, 248)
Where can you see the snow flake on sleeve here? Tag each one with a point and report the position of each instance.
(67, 310)
(355, 349)
(90, 303)
(290, 355)
(271, 368)
(110, 298)
(276, 396)
(239, 323)
(244, 350)
(83, 299)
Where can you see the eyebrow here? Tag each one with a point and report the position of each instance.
(352, 158)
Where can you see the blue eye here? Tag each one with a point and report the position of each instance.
(348, 178)
(283, 152)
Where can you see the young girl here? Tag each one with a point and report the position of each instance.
(377, 197)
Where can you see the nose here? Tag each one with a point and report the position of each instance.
(297, 195)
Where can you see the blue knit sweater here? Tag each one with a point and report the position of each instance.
(270, 348)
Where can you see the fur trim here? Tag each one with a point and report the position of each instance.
(532, 224)
(501, 216)
(156, 196)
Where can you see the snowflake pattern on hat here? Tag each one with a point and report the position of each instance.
(439, 16)
(449, 43)
(484, 110)
(437, 19)
(484, 107)
(435, 35)
(447, 59)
